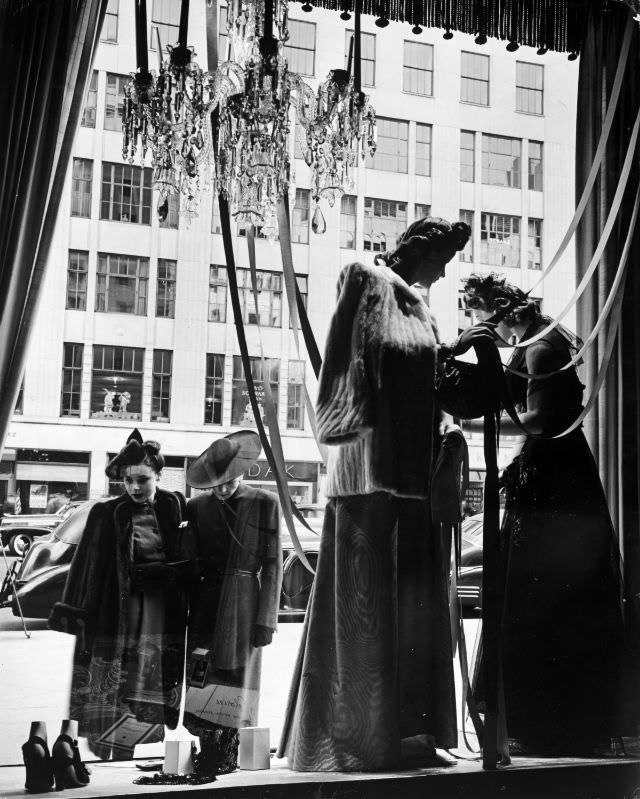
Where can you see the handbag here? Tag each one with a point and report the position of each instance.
(466, 390)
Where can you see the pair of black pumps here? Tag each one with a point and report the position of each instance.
(63, 766)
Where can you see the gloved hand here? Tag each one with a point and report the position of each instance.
(156, 572)
(262, 636)
(483, 331)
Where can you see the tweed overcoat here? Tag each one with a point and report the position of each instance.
(98, 590)
(245, 591)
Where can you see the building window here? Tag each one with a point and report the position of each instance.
(474, 75)
(77, 271)
(216, 223)
(121, 285)
(172, 218)
(303, 288)
(529, 87)
(467, 156)
(295, 396)
(116, 382)
(81, 178)
(217, 293)
(300, 49)
(421, 210)
(109, 32)
(126, 193)
(165, 16)
(535, 165)
(166, 289)
(534, 248)
(261, 371)
(348, 222)
(423, 149)
(501, 161)
(367, 56)
(90, 102)
(300, 145)
(161, 391)
(391, 154)
(269, 287)
(214, 389)
(114, 101)
(384, 221)
(300, 221)
(466, 255)
(417, 69)
(500, 240)
(223, 35)
(71, 379)
(465, 315)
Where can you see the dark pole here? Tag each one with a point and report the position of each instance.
(357, 72)
(268, 19)
(184, 23)
(141, 36)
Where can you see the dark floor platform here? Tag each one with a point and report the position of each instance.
(526, 778)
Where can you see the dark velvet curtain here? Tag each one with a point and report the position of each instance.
(46, 52)
(613, 429)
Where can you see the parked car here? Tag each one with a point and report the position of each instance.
(296, 578)
(40, 576)
(18, 531)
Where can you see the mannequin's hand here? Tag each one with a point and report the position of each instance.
(262, 636)
(472, 336)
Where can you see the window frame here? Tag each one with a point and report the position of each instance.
(466, 255)
(401, 159)
(400, 225)
(299, 226)
(474, 79)
(92, 92)
(74, 276)
(523, 90)
(364, 61)
(472, 150)
(492, 159)
(295, 409)
(105, 276)
(72, 372)
(485, 248)
(216, 282)
(295, 49)
(81, 198)
(214, 386)
(428, 147)
(345, 216)
(531, 172)
(112, 188)
(161, 386)
(166, 281)
(134, 356)
(109, 14)
(407, 70)
(238, 380)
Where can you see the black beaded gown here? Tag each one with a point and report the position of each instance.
(562, 623)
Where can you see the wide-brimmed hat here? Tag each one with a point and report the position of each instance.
(226, 459)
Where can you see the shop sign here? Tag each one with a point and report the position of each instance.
(38, 495)
(241, 413)
(303, 471)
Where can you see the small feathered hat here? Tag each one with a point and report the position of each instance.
(135, 451)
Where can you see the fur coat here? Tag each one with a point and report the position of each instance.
(97, 591)
(375, 397)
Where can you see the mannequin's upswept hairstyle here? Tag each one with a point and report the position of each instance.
(429, 233)
(496, 293)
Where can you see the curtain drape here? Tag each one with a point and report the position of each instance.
(46, 53)
(613, 428)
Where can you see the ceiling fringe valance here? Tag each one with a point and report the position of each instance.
(545, 24)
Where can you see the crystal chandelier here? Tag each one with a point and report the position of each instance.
(167, 115)
(252, 150)
(340, 126)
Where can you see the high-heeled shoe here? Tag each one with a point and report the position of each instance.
(68, 769)
(38, 763)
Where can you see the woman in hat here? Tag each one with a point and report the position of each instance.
(237, 529)
(374, 674)
(126, 601)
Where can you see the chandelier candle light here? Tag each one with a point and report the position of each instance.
(168, 116)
